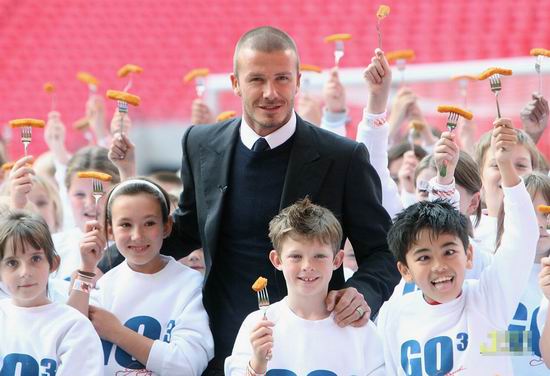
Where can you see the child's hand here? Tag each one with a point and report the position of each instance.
(309, 109)
(95, 113)
(92, 246)
(334, 93)
(20, 182)
(406, 171)
(261, 340)
(446, 153)
(201, 113)
(122, 154)
(378, 77)
(534, 116)
(544, 276)
(105, 323)
(116, 123)
(503, 140)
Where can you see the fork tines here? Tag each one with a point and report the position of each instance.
(452, 120)
(122, 107)
(495, 83)
(263, 298)
(97, 187)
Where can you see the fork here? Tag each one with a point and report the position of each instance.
(26, 136)
(496, 87)
(263, 305)
(200, 86)
(538, 64)
(97, 193)
(452, 122)
(122, 109)
(338, 51)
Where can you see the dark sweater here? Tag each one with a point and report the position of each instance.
(253, 198)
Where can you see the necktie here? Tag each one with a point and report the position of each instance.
(260, 145)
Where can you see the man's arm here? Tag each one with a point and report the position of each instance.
(366, 224)
(184, 237)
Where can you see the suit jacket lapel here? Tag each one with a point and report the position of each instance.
(306, 167)
(215, 162)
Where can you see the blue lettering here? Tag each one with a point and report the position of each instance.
(516, 331)
(411, 365)
(150, 328)
(29, 365)
(169, 327)
(409, 287)
(535, 334)
(51, 367)
(439, 348)
(463, 338)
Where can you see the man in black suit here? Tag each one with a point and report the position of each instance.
(240, 173)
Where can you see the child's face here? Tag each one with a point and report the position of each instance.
(195, 260)
(307, 266)
(437, 265)
(138, 234)
(44, 204)
(543, 245)
(491, 175)
(25, 275)
(422, 181)
(82, 201)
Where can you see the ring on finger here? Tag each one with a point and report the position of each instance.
(360, 311)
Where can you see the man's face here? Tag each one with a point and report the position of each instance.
(437, 265)
(267, 84)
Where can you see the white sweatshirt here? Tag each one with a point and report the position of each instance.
(67, 245)
(166, 307)
(301, 347)
(51, 340)
(524, 332)
(424, 339)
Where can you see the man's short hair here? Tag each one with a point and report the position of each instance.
(439, 217)
(265, 39)
(305, 220)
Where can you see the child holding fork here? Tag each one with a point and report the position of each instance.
(299, 336)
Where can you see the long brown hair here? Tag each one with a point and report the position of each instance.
(535, 182)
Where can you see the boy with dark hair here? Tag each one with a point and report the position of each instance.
(299, 331)
(452, 325)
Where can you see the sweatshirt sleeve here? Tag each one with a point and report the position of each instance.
(376, 141)
(334, 122)
(502, 283)
(80, 350)
(236, 363)
(191, 345)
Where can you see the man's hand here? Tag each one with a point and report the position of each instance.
(349, 306)
(534, 116)
(378, 77)
(105, 323)
(309, 109)
(201, 113)
(334, 93)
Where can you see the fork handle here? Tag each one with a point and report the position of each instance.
(498, 107)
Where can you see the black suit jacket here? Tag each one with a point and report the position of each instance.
(333, 171)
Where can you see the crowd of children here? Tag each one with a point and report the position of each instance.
(472, 249)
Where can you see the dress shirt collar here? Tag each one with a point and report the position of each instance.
(277, 138)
